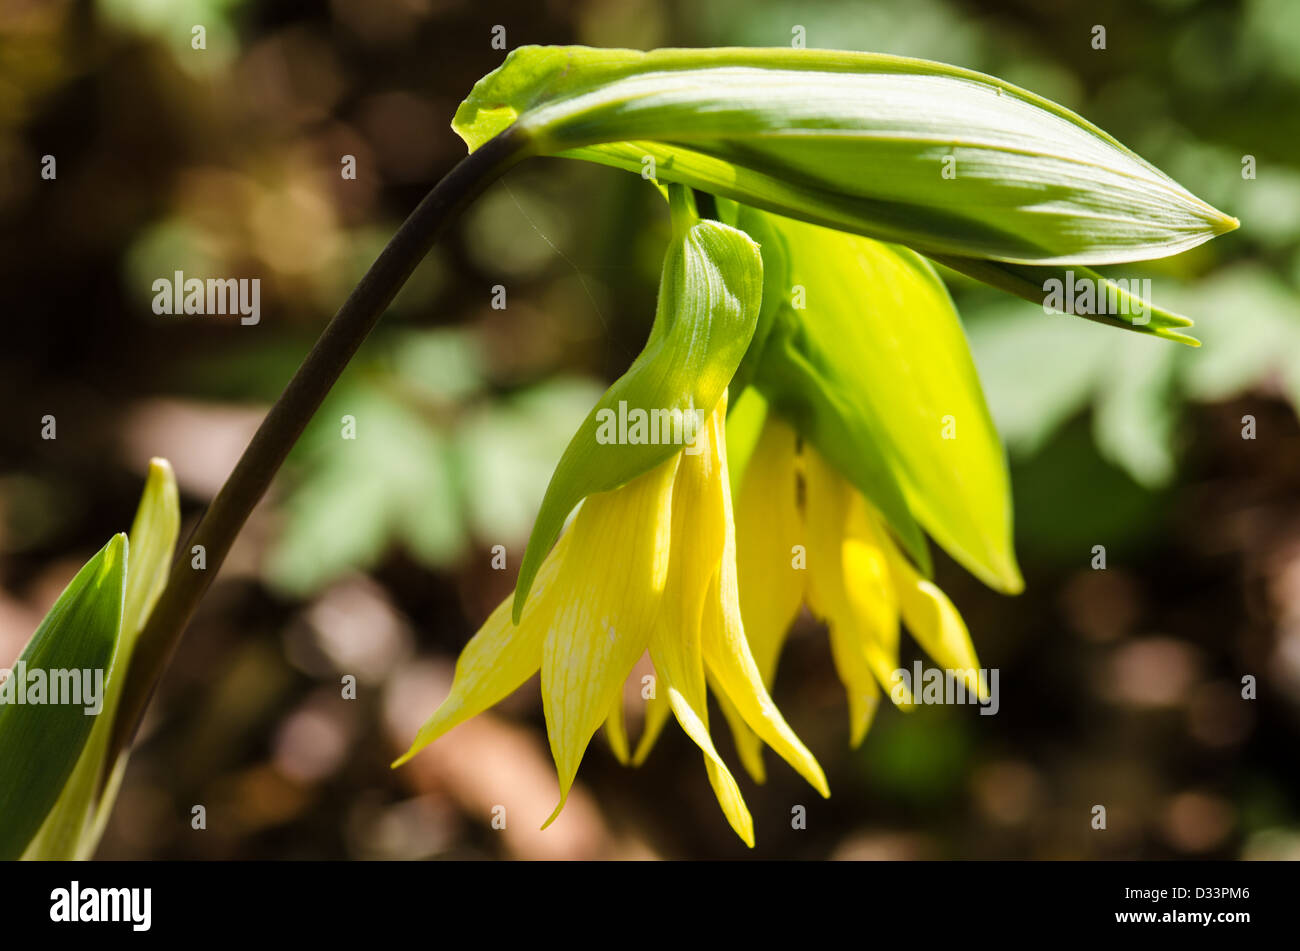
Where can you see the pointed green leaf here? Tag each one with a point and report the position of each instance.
(40, 742)
(941, 159)
(1127, 310)
(709, 297)
(75, 824)
(871, 360)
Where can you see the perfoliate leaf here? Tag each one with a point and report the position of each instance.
(941, 159)
(41, 740)
(869, 360)
(709, 296)
(73, 828)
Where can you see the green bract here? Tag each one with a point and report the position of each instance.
(941, 159)
(709, 296)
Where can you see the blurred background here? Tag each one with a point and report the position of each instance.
(372, 557)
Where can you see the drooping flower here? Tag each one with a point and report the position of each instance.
(806, 536)
(647, 566)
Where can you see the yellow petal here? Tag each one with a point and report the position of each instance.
(748, 746)
(616, 731)
(609, 590)
(727, 654)
(849, 584)
(870, 591)
(680, 660)
(657, 712)
(859, 683)
(699, 537)
(936, 625)
(768, 527)
(497, 659)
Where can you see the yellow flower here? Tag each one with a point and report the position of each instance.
(806, 536)
(650, 565)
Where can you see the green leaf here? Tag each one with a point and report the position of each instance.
(1029, 283)
(870, 360)
(40, 743)
(74, 826)
(709, 297)
(941, 159)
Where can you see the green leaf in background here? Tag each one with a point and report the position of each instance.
(1134, 413)
(941, 159)
(40, 743)
(1256, 339)
(439, 461)
(873, 361)
(1038, 372)
(709, 298)
(74, 826)
(1041, 372)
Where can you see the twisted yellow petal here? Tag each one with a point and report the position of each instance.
(612, 579)
(727, 654)
(768, 529)
(936, 624)
(849, 585)
(699, 537)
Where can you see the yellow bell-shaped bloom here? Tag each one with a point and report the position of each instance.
(805, 535)
(650, 565)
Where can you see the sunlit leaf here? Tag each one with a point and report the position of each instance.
(75, 825)
(40, 742)
(941, 159)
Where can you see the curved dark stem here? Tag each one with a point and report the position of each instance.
(285, 422)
